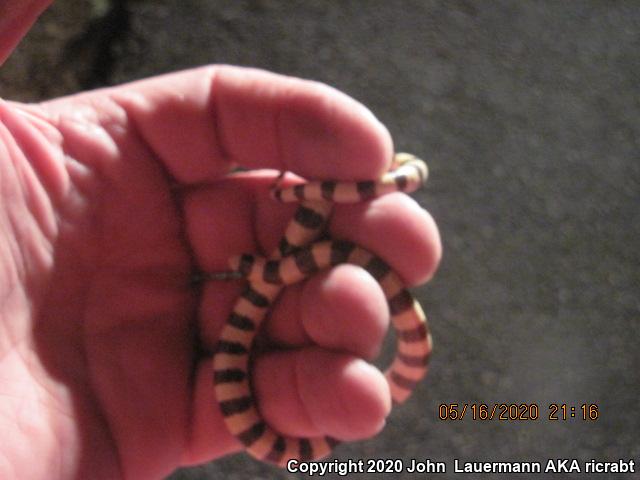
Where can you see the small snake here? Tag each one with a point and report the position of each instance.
(298, 256)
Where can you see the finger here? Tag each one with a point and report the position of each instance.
(395, 228)
(342, 309)
(311, 392)
(202, 122)
(268, 120)
(345, 310)
(302, 393)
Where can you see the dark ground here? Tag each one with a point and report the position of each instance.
(529, 116)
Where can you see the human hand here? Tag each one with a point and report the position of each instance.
(109, 201)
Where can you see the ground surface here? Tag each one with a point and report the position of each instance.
(529, 115)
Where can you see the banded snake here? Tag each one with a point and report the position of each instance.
(298, 256)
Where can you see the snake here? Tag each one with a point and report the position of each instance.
(302, 252)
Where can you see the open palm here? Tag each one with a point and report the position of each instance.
(110, 200)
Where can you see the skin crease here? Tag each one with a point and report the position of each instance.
(109, 200)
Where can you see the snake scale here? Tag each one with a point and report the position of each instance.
(298, 256)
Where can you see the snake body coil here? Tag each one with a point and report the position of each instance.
(297, 258)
